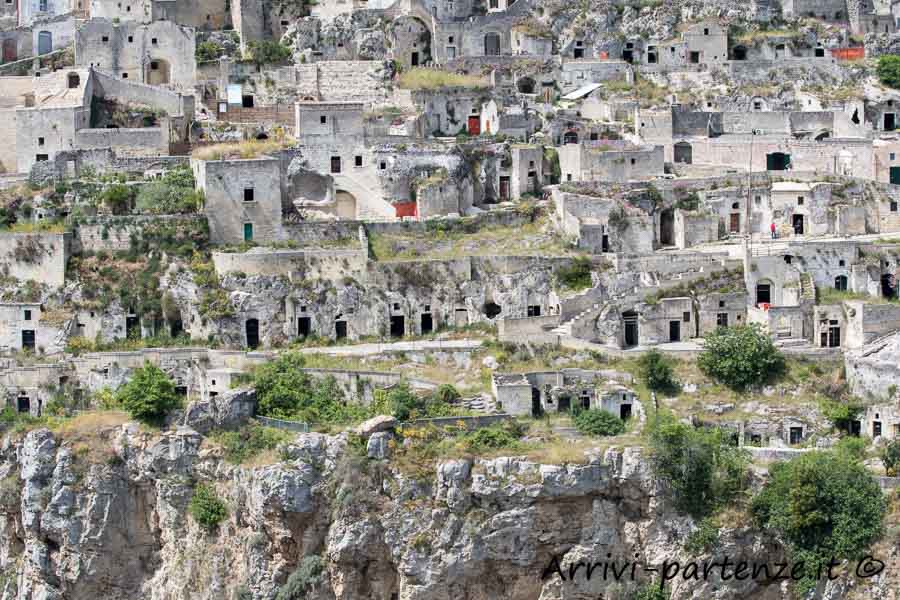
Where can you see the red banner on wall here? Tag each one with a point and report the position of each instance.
(849, 53)
(406, 209)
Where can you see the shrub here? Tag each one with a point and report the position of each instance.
(149, 395)
(703, 539)
(242, 445)
(889, 70)
(650, 591)
(265, 52)
(740, 356)
(118, 198)
(823, 504)
(842, 414)
(446, 393)
(890, 455)
(853, 447)
(598, 422)
(575, 276)
(207, 508)
(656, 371)
(702, 468)
(301, 581)
(504, 435)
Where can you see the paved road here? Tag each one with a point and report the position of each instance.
(369, 349)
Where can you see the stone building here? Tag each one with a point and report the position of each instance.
(536, 393)
(158, 53)
(595, 161)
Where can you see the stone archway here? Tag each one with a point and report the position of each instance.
(411, 42)
(345, 204)
(159, 72)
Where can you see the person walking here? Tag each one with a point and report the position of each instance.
(772, 229)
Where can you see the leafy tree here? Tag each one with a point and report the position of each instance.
(703, 469)
(575, 276)
(149, 395)
(890, 455)
(842, 414)
(446, 393)
(118, 198)
(598, 422)
(208, 50)
(740, 356)
(656, 371)
(207, 508)
(889, 70)
(823, 504)
(853, 447)
(266, 52)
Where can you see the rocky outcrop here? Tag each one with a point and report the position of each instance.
(108, 518)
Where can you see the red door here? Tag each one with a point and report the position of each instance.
(504, 188)
(10, 52)
(475, 125)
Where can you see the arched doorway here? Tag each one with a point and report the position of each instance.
(684, 153)
(73, 81)
(492, 309)
(345, 204)
(631, 333)
(739, 53)
(411, 41)
(492, 44)
(840, 282)
(10, 50)
(262, 136)
(763, 292)
(570, 137)
(667, 227)
(159, 72)
(252, 327)
(888, 286)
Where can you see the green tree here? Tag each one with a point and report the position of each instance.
(823, 504)
(208, 50)
(598, 422)
(890, 455)
(889, 70)
(149, 395)
(118, 198)
(302, 580)
(702, 468)
(650, 591)
(446, 393)
(841, 413)
(207, 508)
(266, 52)
(576, 275)
(656, 371)
(740, 356)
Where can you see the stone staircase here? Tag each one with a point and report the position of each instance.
(807, 288)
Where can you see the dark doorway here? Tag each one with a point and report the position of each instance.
(133, 328)
(684, 153)
(28, 339)
(820, 52)
(491, 309)
(888, 286)
(631, 328)
(797, 221)
(734, 224)
(578, 53)
(252, 333)
(695, 58)
(23, 404)
(777, 161)
(492, 44)
(667, 227)
(739, 53)
(763, 293)
(570, 137)
(855, 428)
(247, 101)
(176, 328)
(10, 50)
(840, 283)
(181, 390)
(628, 55)
(722, 320)
(427, 323)
(474, 125)
(304, 326)
(625, 412)
(604, 244)
(45, 42)
(536, 409)
(565, 403)
(890, 121)
(340, 329)
(526, 85)
(504, 188)
(398, 325)
(674, 331)
(414, 59)
(585, 401)
(795, 435)
(895, 175)
(876, 428)
(834, 335)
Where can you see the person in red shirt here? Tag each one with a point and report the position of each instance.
(772, 229)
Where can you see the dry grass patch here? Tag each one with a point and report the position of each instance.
(434, 79)
(238, 150)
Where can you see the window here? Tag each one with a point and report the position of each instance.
(323, 119)
(686, 317)
(382, 165)
(450, 39)
(894, 206)
(757, 105)
(248, 195)
(721, 304)
(154, 66)
(735, 205)
(757, 199)
(40, 141)
(706, 31)
(154, 41)
(799, 200)
(357, 161)
(42, 6)
(335, 164)
(841, 263)
(788, 258)
(568, 177)
(124, 75)
(633, 161)
(534, 311)
(722, 320)
(42, 157)
(104, 39)
(893, 156)
(130, 39)
(396, 306)
(27, 315)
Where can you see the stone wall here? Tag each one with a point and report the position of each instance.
(319, 264)
(40, 257)
(147, 141)
(173, 103)
(113, 233)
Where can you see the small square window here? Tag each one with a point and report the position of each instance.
(27, 315)
(705, 31)
(894, 206)
(124, 75)
(284, 23)
(396, 306)
(799, 200)
(357, 161)
(893, 156)
(686, 317)
(130, 39)
(42, 157)
(450, 39)
(40, 141)
(382, 165)
(302, 309)
(633, 161)
(427, 308)
(248, 195)
(154, 41)
(154, 66)
(104, 39)
(841, 263)
(721, 304)
(323, 119)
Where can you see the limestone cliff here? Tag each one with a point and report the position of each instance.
(103, 515)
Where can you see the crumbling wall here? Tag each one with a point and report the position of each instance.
(40, 257)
